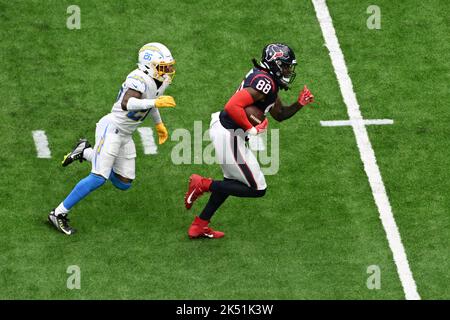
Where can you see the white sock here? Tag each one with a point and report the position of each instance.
(61, 209)
(88, 153)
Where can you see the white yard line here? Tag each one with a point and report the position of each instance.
(41, 142)
(366, 152)
(148, 141)
(341, 123)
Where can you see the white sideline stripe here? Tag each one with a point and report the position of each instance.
(366, 151)
(341, 123)
(256, 143)
(41, 143)
(148, 141)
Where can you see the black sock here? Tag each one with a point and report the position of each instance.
(235, 188)
(220, 190)
(215, 201)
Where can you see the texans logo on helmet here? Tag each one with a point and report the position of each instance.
(273, 52)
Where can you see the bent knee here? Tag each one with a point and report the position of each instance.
(124, 186)
(120, 182)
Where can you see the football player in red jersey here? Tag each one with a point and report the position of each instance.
(229, 128)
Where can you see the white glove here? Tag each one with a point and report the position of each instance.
(252, 131)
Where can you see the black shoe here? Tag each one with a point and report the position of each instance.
(76, 153)
(61, 223)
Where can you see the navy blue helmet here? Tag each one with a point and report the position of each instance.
(279, 60)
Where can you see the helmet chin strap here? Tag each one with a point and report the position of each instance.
(259, 65)
(146, 71)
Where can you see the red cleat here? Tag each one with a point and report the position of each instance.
(199, 229)
(197, 186)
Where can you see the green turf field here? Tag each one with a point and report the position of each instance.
(315, 232)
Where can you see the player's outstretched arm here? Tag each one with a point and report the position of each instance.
(129, 94)
(281, 113)
(132, 101)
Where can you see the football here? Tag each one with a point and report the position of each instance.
(254, 115)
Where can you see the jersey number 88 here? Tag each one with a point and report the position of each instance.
(263, 86)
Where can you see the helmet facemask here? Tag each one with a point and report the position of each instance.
(166, 69)
(287, 73)
(157, 61)
(279, 60)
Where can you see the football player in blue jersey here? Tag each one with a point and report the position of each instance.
(230, 127)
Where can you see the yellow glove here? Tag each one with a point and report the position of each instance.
(162, 133)
(165, 102)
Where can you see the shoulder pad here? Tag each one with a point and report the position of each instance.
(136, 82)
(260, 81)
